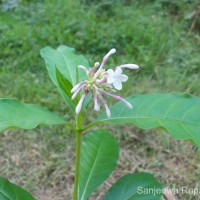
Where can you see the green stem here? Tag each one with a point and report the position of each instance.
(85, 128)
(78, 152)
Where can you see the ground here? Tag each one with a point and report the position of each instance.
(163, 40)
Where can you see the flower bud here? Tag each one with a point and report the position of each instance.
(76, 87)
(129, 66)
(80, 103)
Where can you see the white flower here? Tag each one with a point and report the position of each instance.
(101, 82)
(116, 78)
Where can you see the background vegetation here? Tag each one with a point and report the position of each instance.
(162, 36)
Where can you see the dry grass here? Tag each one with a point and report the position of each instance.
(34, 163)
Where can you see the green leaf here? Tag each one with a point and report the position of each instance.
(99, 155)
(138, 186)
(10, 191)
(66, 61)
(65, 88)
(27, 116)
(179, 114)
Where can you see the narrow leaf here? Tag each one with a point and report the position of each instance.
(65, 89)
(179, 114)
(10, 191)
(99, 155)
(66, 61)
(138, 186)
(27, 116)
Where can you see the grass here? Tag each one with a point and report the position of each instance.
(152, 34)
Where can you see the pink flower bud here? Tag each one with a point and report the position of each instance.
(105, 58)
(76, 87)
(76, 92)
(84, 68)
(129, 66)
(105, 106)
(96, 103)
(119, 99)
(80, 103)
(96, 64)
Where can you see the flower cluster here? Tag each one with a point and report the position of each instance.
(102, 82)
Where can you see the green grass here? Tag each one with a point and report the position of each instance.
(155, 35)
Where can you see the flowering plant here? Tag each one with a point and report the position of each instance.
(97, 151)
(101, 82)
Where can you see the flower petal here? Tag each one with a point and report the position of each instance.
(118, 71)
(110, 78)
(123, 78)
(117, 84)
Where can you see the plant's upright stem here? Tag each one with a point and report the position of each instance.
(79, 122)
